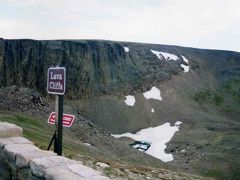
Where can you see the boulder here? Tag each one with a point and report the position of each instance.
(9, 130)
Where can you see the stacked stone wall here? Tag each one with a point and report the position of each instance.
(21, 159)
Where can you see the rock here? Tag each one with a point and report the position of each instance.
(11, 150)
(14, 90)
(38, 166)
(102, 165)
(23, 158)
(20, 140)
(94, 67)
(20, 159)
(9, 130)
(13, 140)
(86, 172)
(60, 173)
(5, 171)
(57, 167)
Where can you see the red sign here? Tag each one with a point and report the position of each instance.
(56, 80)
(67, 119)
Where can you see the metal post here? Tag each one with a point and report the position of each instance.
(60, 126)
(56, 124)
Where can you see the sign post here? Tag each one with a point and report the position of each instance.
(56, 83)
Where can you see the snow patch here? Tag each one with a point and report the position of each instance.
(87, 144)
(167, 56)
(185, 59)
(154, 93)
(177, 123)
(182, 151)
(126, 49)
(186, 68)
(158, 136)
(152, 110)
(130, 100)
(157, 53)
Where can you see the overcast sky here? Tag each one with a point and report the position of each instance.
(213, 24)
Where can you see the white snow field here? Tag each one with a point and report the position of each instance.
(157, 53)
(158, 136)
(130, 100)
(166, 55)
(177, 123)
(186, 68)
(126, 49)
(154, 93)
(169, 56)
(185, 59)
(152, 110)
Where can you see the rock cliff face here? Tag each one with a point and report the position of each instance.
(96, 68)
(93, 67)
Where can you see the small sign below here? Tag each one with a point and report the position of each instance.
(56, 80)
(67, 119)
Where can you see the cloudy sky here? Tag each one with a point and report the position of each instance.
(213, 24)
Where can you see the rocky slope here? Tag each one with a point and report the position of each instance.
(100, 67)
(93, 67)
(101, 73)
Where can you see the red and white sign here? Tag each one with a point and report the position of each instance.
(56, 80)
(67, 119)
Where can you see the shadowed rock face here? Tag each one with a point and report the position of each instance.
(93, 67)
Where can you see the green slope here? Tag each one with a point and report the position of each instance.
(40, 133)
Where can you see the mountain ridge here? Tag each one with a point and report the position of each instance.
(119, 41)
(111, 59)
(100, 74)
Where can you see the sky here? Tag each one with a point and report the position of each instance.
(208, 24)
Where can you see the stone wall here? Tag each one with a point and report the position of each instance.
(21, 159)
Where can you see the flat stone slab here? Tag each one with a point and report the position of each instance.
(19, 155)
(23, 158)
(39, 166)
(11, 150)
(86, 172)
(60, 173)
(63, 168)
(9, 130)
(13, 140)
(74, 172)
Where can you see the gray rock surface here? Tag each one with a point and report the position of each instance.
(93, 67)
(20, 159)
(9, 130)
(39, 165)
(58, 167)
(11, 150)
(23, 158)
(14, 140)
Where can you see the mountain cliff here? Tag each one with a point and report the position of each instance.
(93, 67)
(98, 67)
(199, 87)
